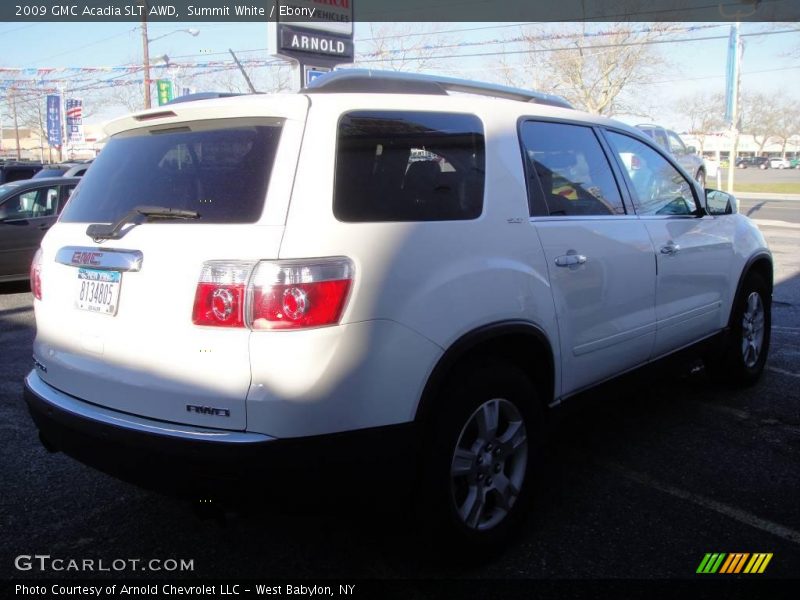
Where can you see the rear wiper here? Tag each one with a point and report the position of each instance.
(141, 214)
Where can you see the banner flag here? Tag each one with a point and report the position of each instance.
(54, 120)
(74, 111)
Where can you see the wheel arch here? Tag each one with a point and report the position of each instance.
(521, 343)
(760, 263)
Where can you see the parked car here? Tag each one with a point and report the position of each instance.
(686, 156)
(15, 171)
(794, 163)
(28, 209)
(761, 162)
(395, 273)
(63, 170)
(779, 163)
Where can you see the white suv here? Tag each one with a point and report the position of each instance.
(372, 256)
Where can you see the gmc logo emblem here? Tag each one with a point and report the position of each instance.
(208, 410)
(86, 258)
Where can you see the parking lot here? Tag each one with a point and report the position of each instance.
(645, 477)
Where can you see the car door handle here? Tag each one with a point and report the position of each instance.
(44, 227)
(670, 249)
(569, 260)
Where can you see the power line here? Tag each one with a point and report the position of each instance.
(575, 48)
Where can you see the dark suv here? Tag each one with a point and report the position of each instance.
(762, 162)
(15, 171)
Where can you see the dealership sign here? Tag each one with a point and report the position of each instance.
(297, 43)
(313, 33)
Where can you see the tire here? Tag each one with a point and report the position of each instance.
(701, 179)
(482, 453)
(763, 167)
(744, 356)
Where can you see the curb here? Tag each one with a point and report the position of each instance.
(765, 196)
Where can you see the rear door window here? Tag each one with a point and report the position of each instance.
(221, 173)
(409, 166)
(568, 172)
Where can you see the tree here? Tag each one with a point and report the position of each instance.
(596, 70)
(705, 113)
(760, 117)
(409, 47)
(788, 123)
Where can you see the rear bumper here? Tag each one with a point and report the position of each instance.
(190, 460)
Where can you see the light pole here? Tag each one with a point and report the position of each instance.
(146, 55)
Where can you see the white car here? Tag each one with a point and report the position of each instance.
(779, 163)
(374, 260)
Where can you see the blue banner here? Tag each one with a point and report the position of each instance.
(54, 120)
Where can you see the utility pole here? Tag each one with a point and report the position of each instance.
(146, 58)
(732, 105)
(16, 124)
(41, 129)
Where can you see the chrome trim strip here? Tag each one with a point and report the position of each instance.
(552, 218)
(613, 340)
(104, 259)
(694, 313)
(113, 418)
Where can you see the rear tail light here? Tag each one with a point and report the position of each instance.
(298, 294)
(36, 275)
(220, 296)
(292, 294)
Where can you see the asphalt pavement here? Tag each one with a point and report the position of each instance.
(644, 478)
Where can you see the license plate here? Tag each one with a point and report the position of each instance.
(98, 291)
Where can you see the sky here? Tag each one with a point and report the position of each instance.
(771, 61)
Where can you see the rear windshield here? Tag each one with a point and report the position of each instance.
(409, 166)
(50, 173)
(222, 174)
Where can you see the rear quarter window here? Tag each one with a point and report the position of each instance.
(222, 173)
(409, 166)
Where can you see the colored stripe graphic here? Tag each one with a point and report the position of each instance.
(711, 562)
(758, 563)
(734, 563)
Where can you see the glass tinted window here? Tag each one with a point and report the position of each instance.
(222, 174)
(658, 187)
(408, 166)
(42, 202)
(573, 173)
(50, 172)
(676, 144)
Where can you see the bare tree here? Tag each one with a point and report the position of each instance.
(788, 124)
(705, 113)
(410, 47)
(760, 117)
(597, 73)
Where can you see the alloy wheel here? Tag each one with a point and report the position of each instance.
(489, 464)
(752, 329)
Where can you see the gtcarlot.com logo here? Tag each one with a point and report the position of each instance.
(45, 562)
(736, 562)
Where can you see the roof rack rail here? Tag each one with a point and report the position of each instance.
(388, 82)
(203, 96)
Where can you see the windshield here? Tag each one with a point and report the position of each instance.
(57, 172)
(7, 187)
(222, 174)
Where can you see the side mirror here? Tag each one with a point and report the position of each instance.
(691, 149)
(721, 203)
